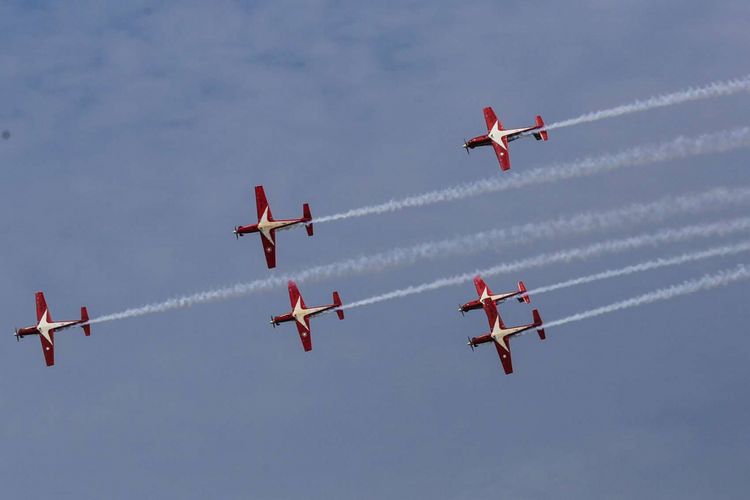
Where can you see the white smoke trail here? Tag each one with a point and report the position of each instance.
(650, 265)
(583, 253)
(692, 94)
(461, 245)
(681, 147)
(707, 282)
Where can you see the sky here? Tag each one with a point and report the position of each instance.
(138, 131)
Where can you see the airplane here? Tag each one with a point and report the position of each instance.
(484, 292)
(267, 225)
(498, 137)
(301, 314)
(500, 335)
(46, 328)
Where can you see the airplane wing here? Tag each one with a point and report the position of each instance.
(269, 248)
(295, 296)
(48, 348)
(261, 203)
(490, 309)
(502, 154)
(490, 119)
(505, 356)
(481, 286)
(41, 307)
(304, 334)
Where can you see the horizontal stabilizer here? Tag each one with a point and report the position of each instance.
(84, 319)
(337, 303)
(524, 296)
(537, 323)
(542, 135)
(307, 217)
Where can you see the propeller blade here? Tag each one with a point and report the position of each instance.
(466, 146)
(470, 344)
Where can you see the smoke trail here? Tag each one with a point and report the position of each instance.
(462, 245)
(692, 94)
(583, 253)
(681, 147)
(707, 282)
(650, 265)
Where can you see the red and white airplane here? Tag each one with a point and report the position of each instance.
(267, 225)
(301, 314)
(46, 328)
(500, 335)
(484, 292)
(498, 137)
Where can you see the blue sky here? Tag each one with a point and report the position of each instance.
(138, 132)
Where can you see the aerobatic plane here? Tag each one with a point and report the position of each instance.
(301, 314)
(46, 328)
(267, 225)
(500, 335)
(484, 292)
(498, 137)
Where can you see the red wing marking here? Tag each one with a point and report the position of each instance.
(41, 307)
(502, 154)
(261, 203)
(48, 348)
(505, 356)
(481, 286)
(490, 310)
(304, 334)
(269, 248)
(295, 296)
(490, 119)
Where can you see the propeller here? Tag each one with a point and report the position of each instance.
(466, 146)
(18, 339)
(273, 323)
(470, 344)
(461, 310)
(236, 232)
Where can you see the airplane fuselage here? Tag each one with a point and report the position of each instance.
(497, 298)
(496, 135)
(300, 313)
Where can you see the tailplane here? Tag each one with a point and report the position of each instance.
(337, 303)
(84, 320)
(307, 217)
(541, 135)
(524, 296)
(537, 323)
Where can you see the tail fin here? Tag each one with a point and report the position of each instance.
(307, 217)
(524, 296)
(537, 323)
(542, 135)
(84, 320)
(337, 303)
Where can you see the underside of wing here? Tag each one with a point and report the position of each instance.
(48, 348)
(41, 307)
(481, 286)
(502, 154)
(490, 119)
(304, 335)
(490, 309)
(269, 249)
(505, 357)
(261, 203)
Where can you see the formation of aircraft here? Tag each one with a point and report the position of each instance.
(267, 225)
(498, 137)
(301, 314)
(500, 334)
(46, 328)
